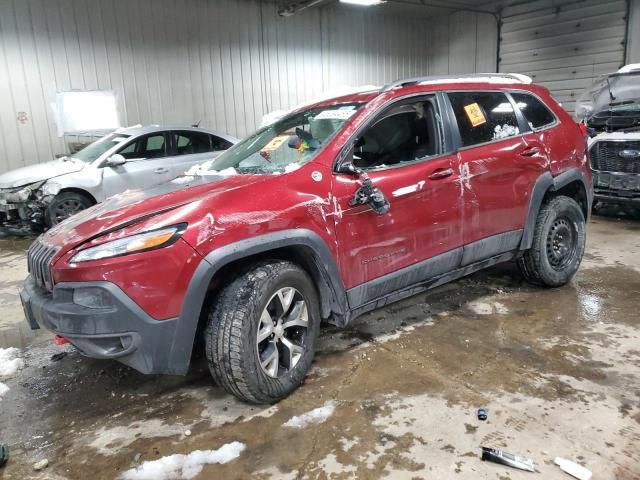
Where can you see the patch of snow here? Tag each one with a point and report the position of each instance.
(487, 308)
(9, 361)
(314, 417)
(629, 68)
(504, 131)
(292, 167)
(3, 389)
(387, 337)
(196, 169)
(181, 466)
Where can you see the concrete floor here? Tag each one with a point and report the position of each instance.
(558, 371)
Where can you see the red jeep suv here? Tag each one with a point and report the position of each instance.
(333, 210)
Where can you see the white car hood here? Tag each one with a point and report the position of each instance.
(39, 172)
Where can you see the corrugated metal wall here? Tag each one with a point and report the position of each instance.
(633, 47)
(564, 44)
(222, 62)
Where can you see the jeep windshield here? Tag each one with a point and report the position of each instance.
(284, 145)
(96, 149)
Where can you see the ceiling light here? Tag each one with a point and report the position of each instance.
(364, 3)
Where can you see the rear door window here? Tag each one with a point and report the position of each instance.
(535, 112)
(219, 143)
(483, 116)
(190, 143)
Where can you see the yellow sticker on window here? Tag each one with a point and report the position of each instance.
(275, 143)
(476, 117)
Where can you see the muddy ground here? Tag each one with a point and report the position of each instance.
(557, 370)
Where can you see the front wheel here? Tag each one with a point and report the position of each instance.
(558, 244)
(261, 332)
(66, 204)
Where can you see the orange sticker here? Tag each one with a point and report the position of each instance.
(275, 143)
(476, 117)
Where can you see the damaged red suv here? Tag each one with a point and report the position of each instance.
(335, 209)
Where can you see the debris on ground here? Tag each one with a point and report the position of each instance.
(506, 458)
(314, 417)
(482, 414)
(10, 363)
(41, 465)
(56, 357)
(4, 454)
(573, 469)
(181, 466)
(3, 390)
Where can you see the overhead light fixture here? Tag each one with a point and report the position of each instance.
(363, 3)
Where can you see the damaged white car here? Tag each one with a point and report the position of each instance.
(39, 196)
(611, 111)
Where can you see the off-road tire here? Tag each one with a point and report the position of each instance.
(233, 322)
(537, 263)
(72, 200)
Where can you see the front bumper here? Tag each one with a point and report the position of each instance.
(119, 329)
(21, 218)
(621, 188)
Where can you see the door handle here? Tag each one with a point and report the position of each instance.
(529, 152)
(441, 173)
(161, 170)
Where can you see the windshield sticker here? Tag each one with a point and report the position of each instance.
(476, 117)
(275, 143)
(335, 115)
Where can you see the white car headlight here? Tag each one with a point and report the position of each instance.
(18, 196)
(140, 242)
(51, 188)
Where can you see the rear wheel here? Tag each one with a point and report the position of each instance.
(261, 332)
(66, 204)
(558, 244)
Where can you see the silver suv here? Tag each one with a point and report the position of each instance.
(39, 196)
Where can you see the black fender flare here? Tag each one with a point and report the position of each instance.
(327, 277)
(543, 184)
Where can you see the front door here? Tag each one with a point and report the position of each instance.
(403, 153)
(148, 164)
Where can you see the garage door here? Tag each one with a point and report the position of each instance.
(564, 45)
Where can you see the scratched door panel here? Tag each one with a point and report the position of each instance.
(424, 219)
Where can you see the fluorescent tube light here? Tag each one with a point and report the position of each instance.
(364, 3)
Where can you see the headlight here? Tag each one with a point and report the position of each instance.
(19, 196)
(140, 242)
(50, 188)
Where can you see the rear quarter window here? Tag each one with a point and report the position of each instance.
(483, 116)
(535, 112)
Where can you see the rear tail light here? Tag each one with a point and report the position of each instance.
(58, 340)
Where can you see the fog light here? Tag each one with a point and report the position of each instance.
(92, 297)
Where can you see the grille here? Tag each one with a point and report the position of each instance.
(38, 262)
(605, 157)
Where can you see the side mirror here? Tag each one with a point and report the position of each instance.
(115, 160)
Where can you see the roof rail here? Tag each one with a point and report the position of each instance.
(467, 77)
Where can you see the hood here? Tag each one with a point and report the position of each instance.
(133, 205)
(39, 172)
(612, 102)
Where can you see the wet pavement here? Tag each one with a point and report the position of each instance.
(558, 371)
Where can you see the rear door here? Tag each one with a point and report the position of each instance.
(404, 154)
(500, 160)
(148, 163)
(192, 147)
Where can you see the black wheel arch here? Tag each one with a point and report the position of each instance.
(79, 191)
(572, 183)
(301, 246)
